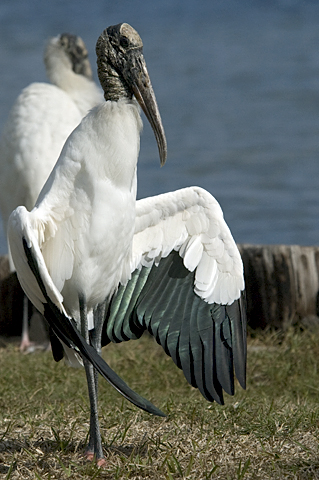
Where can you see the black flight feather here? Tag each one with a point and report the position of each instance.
(208, 342)
(224, 361)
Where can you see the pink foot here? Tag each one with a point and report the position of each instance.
(26, 346)
(101, 462)
(31, 347)
(89, 455)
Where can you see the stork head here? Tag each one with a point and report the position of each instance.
(122, 73)
(71, 49)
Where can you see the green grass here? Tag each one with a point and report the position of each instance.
(268, 431)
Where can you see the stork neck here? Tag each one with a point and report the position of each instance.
(114, 86)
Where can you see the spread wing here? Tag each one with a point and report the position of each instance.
(39, 287)
(186, 289)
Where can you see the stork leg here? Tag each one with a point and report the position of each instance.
(94, 448)
(26, 344)
(29, 315)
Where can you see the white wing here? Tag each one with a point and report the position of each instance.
(20, 229)
(186, 290)
(191, 222)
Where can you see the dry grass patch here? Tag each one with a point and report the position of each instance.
(269, 431)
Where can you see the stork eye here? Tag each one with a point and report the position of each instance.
(124, 42)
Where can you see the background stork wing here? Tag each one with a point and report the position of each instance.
(186, 290)
(32, 272)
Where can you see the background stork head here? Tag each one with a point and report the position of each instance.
(75, 54)
(122, 73)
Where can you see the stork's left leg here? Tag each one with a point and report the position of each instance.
(94, 448)
(25, 345)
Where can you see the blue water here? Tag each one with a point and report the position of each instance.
(237, 83)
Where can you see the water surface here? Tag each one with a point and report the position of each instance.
(237, 83)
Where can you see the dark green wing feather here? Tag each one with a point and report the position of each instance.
(208, 342)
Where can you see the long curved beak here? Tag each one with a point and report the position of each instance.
(139, 81)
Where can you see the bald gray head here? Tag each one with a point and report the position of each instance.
(67, 51)
(77, 52)
(122, 73)
(118, 48)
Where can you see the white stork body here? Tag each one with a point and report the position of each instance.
(40, 121)
(85, 198)
(90, 257)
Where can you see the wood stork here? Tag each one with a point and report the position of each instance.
(39, 123)
(104, 267)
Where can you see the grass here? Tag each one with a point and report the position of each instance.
(269, 431)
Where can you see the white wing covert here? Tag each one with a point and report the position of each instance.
(191, 222)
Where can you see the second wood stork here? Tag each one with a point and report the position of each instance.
(40, 121)
(104, 267)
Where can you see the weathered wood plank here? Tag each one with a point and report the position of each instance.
(282, 288)
(11, 301)
(282, 284)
